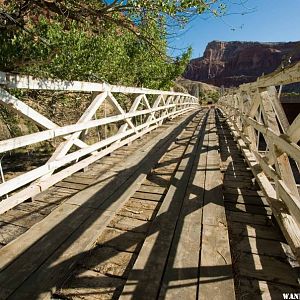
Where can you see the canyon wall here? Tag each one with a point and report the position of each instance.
(232, 63)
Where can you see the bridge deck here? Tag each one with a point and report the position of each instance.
(163, 218)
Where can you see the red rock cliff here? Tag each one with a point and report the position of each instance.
(233, 63)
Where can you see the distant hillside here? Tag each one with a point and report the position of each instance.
(198, 89)
(232, 63)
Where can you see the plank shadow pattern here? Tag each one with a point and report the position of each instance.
(263, 263)
(154, 248)
(34, 263)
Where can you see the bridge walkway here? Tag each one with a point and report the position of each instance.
(173, 215)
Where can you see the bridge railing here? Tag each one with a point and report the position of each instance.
(65, 161)
(270, 144)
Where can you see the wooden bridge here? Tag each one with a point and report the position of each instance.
(181, 201)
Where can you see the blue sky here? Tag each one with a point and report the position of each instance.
(270, 21)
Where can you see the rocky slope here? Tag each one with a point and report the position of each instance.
(233, 63)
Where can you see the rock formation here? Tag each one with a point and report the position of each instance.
(233, 63)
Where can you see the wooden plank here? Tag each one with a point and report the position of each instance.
(91, 285)
(141, 204)
(155, 189)
(77, 178)
(253, 209)
(242, 184)
(9, 232)
(156, 181)
(262, 268)
(235, 173)
(150, 263)
(71, 185)
(251, 200)
(109, 261)
(265, 290)
(21, 218)
(262, 247)
(52, 196)
(53, 270)
(241, 191)
(28, 250)
(180, 278)
(37, 206)
(140, 214)
(148, 196)
(216, 274)
(294, 131)
(248, 218)
(129, 241)
(213, 210)
(239, 230)
(129, 224)
(229, 177)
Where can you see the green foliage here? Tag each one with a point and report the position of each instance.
(213, 96)
(115, 55)
(75, 52)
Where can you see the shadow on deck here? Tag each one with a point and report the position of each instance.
(206, 237)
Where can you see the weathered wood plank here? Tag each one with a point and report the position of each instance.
(154, 189)
(37, 206)
(239, 230)
(21, 218)
(53, 269)
(241, 191)
(248, 218)
(92, 285)
(243, 199)
(263, 268)
(77, 178)
(28, 250)
(129, 241)
(216, 273)
(180, 278)
(150, 263)
(126, 223)
(141, 204)
(253, 209)
(148, 196)
(264, 290)
(140, 214)
(261, 247)
(71, 185)
(9, 232)
(109, 261)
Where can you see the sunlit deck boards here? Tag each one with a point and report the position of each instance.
(176, 260)
(154, 226)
